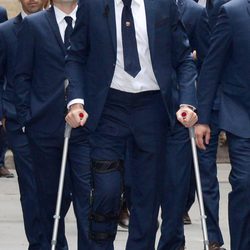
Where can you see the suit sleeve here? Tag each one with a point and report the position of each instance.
(24, 71)
(182, 60)
(77, 54)
(212, 67)
(3, 15)
(202, 38)
(2, 72)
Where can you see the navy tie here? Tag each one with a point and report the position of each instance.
(130, 53)
(68, 31)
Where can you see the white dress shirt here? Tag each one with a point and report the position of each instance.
(145, 79)
(62, 24)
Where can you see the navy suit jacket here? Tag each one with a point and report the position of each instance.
(8, 44)
(213, 7)
(3, 15)
(195, 20)
(3, 18)
(40, 73)
(228, 63)
(92, 56)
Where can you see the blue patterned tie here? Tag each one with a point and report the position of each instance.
(68, 31)
(131, 58)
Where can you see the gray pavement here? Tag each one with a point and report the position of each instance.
(12, 235)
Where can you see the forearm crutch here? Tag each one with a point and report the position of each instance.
(199, 189)
(67, 133)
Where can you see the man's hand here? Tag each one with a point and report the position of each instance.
(76, 116)
(194, 55)
(202, 135)
(186, 116)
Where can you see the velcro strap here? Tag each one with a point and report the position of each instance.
(103, 217)
(107, 166)
(102, 236)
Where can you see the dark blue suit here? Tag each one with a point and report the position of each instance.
(227, 64)
(207, 158)
(3, 142)
(213, 7)
(40, 87)
(195, 20)
(18, 141)
(116, 116)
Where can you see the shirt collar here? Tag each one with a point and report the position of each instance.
(60, 14)
(23, 14)
(136, 1)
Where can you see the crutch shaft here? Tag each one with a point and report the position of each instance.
(60, 188)
(199, 189)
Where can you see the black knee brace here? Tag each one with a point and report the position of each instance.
(102, 167)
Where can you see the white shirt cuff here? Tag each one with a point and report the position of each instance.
(74, 101)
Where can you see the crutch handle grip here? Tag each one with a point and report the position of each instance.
(191, 132)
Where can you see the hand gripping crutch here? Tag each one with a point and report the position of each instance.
(198, 186)
(67, 133)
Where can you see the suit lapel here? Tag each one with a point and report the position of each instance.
(150, 19)
(109, 10)
(181, 6)
(17, 23)
(50, 14)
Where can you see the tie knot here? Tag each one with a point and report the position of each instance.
(127, 3)
(68, 20)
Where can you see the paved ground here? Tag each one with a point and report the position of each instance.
(11, 227)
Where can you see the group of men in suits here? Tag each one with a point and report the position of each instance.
(128, 89)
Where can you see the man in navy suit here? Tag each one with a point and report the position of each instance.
(17, 139)
(227, 65)
(4, 172)
(195, 20)
(40, 83)
(207, 158)
(126, 62)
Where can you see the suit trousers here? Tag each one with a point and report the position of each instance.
(46, 151)
(79, 170)
(3, 146)
(176, 178)
(140, 119)
(18, 143)
(47, 154)
(239, 197)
